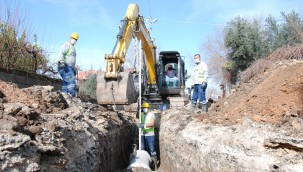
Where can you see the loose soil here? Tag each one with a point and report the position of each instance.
(270, 96)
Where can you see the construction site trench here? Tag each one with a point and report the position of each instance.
(256, 128)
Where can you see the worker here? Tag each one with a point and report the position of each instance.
(66, 65)
(171, 76)
(147, 126)
(200, 77)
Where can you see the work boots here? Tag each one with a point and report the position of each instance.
(204, 107)
(68, 98)
(193, 106)
(154, 162)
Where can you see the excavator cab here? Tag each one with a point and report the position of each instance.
(170, 73)
(159, 80)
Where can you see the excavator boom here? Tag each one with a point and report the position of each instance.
(115, 86)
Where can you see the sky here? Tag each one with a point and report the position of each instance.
(182, 25)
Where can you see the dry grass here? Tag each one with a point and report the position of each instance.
(261, 65)
(287, 52)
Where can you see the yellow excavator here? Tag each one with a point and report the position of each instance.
(116, 87)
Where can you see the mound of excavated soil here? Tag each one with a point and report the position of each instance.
(12, 94)
(256, 128)
(273, 96)
(42, 130)
(40, 98)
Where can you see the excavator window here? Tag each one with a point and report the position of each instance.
(171, 75)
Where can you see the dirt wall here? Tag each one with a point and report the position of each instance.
(40, 131)
(24, 79)
(189, 145)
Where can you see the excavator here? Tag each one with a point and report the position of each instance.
(117, 87)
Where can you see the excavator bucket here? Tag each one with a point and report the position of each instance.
(116, 91)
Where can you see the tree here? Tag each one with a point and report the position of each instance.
(216, 54)
(291, 28)
(287, 32)
(245, 42)
(16, 50)
(271, 31)
(89, 87)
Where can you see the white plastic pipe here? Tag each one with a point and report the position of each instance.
(139, 158)
(140, 67)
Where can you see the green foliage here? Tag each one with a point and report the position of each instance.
(228, 65)
(272, 31)
(248, 41)
(16, 51)
(286, 33)
(89, 87)
(244, 41)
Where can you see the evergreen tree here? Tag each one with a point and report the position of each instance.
(244, 42)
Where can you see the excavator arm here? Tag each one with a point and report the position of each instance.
(114, 86)
(131, 25)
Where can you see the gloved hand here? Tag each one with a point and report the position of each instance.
(61, 64)
(203, 85)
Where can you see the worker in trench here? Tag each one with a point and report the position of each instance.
(147, 126)
(67, 65)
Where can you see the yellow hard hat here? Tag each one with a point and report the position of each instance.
(145, 105)
(75, 35)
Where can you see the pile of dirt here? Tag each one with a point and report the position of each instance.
(273, 96)
(258, 127)
(11, 93)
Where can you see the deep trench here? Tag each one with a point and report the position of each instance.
(120, 143)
